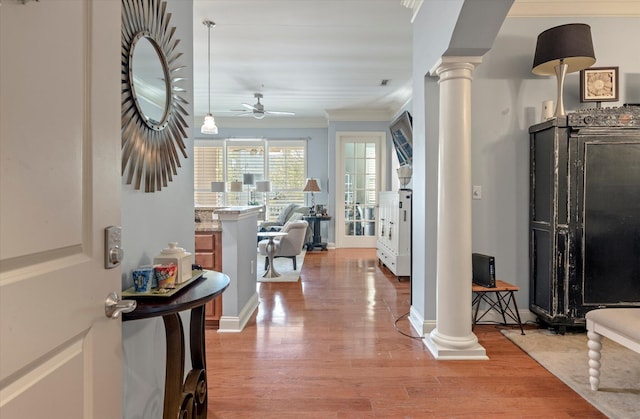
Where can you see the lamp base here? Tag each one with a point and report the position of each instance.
(561, 72)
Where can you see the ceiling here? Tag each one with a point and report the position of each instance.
(318, 58)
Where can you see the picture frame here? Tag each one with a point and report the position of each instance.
(599, 84)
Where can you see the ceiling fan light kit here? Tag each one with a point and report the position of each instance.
(209, 126)
(257, 110)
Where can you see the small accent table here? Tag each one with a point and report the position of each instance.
(317, 239)
(499, 299)
(271, 249)
(186, 399)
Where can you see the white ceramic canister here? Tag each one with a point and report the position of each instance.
(179, 257)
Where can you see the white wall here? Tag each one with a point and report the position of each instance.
(150, 221)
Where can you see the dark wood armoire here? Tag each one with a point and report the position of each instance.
(584, 217)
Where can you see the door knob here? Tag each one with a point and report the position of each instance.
(113, 306)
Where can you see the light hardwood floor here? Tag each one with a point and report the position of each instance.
(326, 347)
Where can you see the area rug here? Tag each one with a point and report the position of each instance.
(565, 356)
(284, 266)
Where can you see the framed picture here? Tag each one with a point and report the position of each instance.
(599, 84)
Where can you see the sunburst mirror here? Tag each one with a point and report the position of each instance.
(153, 110)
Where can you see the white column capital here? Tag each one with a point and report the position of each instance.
(449, 63)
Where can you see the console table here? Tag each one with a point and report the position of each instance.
(317, 239)
(188, 398)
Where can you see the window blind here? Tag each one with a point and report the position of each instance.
(207, 168)
(286, 171)
(281, 162)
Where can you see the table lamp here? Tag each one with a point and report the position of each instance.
(563, 49)
(236, 186)
(249, 179)
(218, 187)
(263, 186)
(312, 186)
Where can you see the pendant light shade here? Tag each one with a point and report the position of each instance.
(209, 126)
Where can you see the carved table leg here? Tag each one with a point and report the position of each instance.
(173, 396)
(196, 382)
(594, 346)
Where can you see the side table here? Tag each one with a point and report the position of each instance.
(188, 398)
(500, 298)
(317, 239)
(271, 250)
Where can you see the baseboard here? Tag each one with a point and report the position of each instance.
(419, 324)
(235, 324)
(424, 327)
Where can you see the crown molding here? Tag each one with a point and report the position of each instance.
(559, 8)
(414, 5)
(367, 115)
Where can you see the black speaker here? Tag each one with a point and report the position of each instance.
(484, 270)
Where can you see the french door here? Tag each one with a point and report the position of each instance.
(360, 175)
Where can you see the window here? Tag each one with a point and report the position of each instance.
(286, 168)
(281, 162)
(207, 167)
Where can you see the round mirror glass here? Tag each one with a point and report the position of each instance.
(149, 82)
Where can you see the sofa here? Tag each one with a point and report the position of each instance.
(291, 212)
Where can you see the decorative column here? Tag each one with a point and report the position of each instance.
(452, 338)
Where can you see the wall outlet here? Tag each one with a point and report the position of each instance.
(477, 192)
(253, 267)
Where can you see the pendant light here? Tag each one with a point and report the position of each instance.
(209, 126)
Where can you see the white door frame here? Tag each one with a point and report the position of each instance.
(380, 138)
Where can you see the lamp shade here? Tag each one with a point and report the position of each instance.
(248, 179)
(311, 186)
(209, 126)
(568, 44)
(217, 186)
(235, 186)
(263, 186)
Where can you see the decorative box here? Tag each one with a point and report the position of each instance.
(179, 257)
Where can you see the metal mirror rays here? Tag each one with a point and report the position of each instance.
(153, 110)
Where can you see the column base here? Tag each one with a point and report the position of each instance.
(448, 348)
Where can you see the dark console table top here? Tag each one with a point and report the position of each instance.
(203, 289)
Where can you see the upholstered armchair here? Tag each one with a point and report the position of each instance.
(288, 246)
(291, 212)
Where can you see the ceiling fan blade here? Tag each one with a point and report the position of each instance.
(250, 107)
(279, 113)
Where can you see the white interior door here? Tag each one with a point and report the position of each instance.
(59, 186)
(360, 157)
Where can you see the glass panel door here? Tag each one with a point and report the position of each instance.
(360, 157)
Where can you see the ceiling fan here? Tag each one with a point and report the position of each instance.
(257, 110)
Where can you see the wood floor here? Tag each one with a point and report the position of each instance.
(326, 347)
